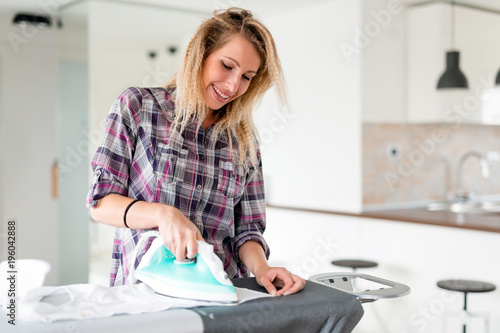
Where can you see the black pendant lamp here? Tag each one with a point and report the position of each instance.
(453, 76)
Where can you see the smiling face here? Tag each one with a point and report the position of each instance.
(227, 72)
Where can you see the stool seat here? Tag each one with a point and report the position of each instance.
(354, 263)
(466, 286)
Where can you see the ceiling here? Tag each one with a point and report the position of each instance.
(199, 6)
(263, 7)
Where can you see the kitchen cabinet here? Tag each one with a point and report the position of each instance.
(414, 253)
(428, 40)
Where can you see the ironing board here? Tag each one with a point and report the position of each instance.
(317, 308)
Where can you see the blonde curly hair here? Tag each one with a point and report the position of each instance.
(237, 120)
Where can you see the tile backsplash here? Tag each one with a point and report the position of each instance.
(423, 167)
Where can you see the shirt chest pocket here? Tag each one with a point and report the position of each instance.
(229, 180)
(170, 163)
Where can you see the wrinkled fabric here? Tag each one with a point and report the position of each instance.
(82, 301)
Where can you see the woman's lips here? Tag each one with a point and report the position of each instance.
(218, 93)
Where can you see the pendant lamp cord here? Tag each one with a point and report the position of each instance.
(452, 20)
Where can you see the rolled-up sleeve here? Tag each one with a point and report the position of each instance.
(112, 159)
(250, 213)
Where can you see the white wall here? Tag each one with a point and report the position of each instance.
(73, 172)
(414, 254)
(3, 227)
(313, 159)
(118, 57)
(29, 97)
(30, 140)
(73, 142)
(381, 43)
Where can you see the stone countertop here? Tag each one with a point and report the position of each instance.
(489, 221)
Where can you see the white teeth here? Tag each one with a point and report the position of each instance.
(220, 94)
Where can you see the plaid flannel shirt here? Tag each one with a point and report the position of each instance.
(142, 157)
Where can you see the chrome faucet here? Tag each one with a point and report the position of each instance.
(485, 170)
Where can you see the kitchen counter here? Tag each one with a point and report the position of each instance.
(473, 221)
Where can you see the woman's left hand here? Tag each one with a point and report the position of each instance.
(279, 281)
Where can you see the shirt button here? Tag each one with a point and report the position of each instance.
(198, 187)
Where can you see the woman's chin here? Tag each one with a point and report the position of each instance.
(215, 105)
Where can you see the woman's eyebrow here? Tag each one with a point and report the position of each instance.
(237, 64)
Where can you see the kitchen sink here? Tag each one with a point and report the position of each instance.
(483, 207)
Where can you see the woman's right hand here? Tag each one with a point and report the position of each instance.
(178, 233)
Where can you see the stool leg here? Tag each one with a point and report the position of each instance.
(465, 310)
(354, 280)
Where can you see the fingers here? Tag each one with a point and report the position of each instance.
(186, 246)
(287, 282)
(192, 248)
(199, 237)
(179, 235)
(298, 284)
(179, 252)
(266, 283)
(280, 282)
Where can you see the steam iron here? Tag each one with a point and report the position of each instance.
(202, 278)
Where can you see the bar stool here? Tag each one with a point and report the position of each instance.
(468, 286)
(354, 263)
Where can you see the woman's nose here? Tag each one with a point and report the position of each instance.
(232, 83)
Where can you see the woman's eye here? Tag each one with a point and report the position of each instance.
(225, 66)
(246, 77)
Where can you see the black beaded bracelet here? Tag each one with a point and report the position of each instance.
(126, 210)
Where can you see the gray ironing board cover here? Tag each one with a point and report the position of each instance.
(317, 308)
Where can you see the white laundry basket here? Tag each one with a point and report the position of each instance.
(28, 274)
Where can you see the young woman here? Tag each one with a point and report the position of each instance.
(184, 158)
